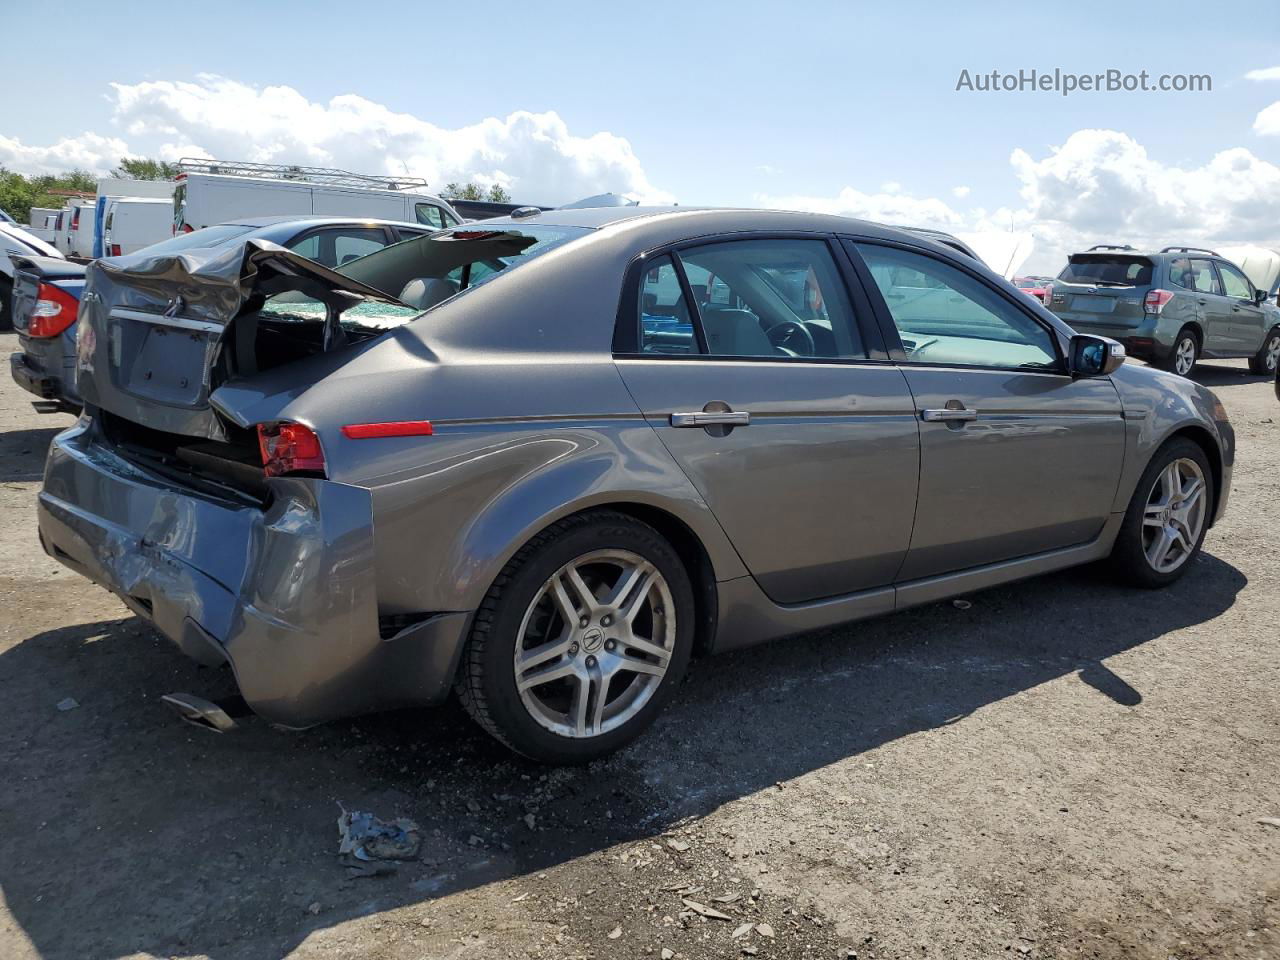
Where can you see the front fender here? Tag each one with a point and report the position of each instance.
(1158, 405)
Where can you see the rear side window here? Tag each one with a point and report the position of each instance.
(771, 298)
(665, 325)
(1107, 270)
(1194, 275)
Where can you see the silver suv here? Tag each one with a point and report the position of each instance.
(1169, 308)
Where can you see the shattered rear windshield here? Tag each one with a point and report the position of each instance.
(426, 271)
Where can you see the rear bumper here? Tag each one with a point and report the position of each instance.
(43, 384)
(285, 595)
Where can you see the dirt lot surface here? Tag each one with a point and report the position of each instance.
(1063, 769)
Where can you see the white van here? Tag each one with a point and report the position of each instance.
(214, 191)
(132, 223)
(79, 228)
(41, 221)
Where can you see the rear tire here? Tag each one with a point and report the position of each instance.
(1167, 503)
(6, 304)
(615, 661)
(1185, 353)
(1264, 362)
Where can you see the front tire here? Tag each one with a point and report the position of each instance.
(1264, 362)
(1167, 518)
(1185, 353)
(581, 640)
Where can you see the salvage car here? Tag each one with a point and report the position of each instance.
(46, 292)
(541, 461)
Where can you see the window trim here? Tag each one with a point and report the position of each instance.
(627, 336)
(889, 328)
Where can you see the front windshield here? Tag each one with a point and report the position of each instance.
(213, 236)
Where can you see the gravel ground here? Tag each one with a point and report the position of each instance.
(1063, 769)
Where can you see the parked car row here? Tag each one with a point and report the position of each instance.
(543, 460)
(47, 291)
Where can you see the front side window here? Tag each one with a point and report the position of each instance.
(431, 215)
(1234, 283)
(771, 298)
(946, 316)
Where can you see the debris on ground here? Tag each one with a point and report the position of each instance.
(365, 837)
(616, 932)
(961, 604)
(1269, 821)
(70, 703)
(764, 930)
(703, 910)
(679, 846)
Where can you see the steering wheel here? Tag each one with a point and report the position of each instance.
(792, 335)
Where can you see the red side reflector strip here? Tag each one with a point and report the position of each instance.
(395, 428)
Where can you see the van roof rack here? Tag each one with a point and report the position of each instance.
(1110, 246)
(1212, 253)
(328, 176)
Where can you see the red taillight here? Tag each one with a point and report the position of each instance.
(54, 311)
(75, 219)
(113, 250)
(1155, 301)
(188, 228)
(395, 428)
(289, 448)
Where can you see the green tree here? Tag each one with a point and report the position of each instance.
(498, 195)
(473, 191)
(144, 168)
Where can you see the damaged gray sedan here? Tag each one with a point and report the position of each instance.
(542, 461)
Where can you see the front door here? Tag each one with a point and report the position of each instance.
(1247, 322)
(1016, 456)
(752, 369)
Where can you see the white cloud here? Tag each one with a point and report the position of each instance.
(89, 151)
(534, 155)
(887, 206)
(1266, 73)
(1100, 186)
(960, 192)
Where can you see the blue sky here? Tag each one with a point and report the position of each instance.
(721, 103)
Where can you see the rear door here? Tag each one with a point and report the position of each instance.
(747, 357)
(1246, 320)
(1016, 456)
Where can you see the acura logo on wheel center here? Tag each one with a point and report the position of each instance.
(592, 639)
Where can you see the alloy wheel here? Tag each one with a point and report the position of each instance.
(1174, 515)
(1184, 356)
(595, 643)
(1273, 353)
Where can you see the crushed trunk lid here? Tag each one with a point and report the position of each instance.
(157, 333)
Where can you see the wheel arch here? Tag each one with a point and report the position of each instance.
(1202, 438)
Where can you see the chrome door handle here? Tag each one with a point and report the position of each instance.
(703, 418)
(948, 415)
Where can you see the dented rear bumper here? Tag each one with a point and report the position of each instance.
(285, 594)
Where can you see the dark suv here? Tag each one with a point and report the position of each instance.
(1169, 308)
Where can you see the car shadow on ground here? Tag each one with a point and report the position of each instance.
(1210, 375)
(22, 453)
(127, 831)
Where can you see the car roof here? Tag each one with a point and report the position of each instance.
(711, 219)
(316, 220)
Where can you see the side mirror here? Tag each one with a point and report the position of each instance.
(1095, 356)
(1260, 297)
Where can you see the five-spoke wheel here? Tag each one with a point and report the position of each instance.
(581, 639)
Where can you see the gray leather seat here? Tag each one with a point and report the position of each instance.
(426, 292)
(735, 333)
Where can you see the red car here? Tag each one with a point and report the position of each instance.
(1037, 287)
